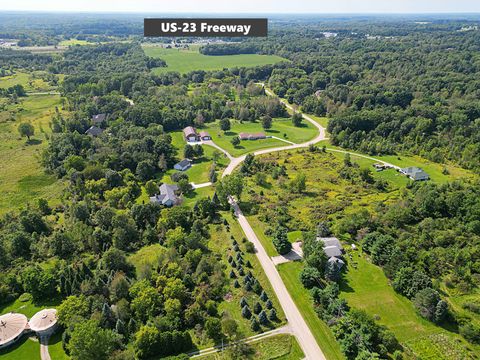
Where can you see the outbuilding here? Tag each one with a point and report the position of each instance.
(183, 165)
(190, 134)
(12, 326)
(44, 322)
(205, 135)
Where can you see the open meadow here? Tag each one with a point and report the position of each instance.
(22, 177)
(185, 60)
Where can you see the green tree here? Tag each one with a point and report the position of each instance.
(266, 122)
(280, 240)
(213, 328)
(73, 309)
(88, 341)
(297, 119)
(235, 141)
(26, 129)
(298, 184)
(151, 187)
(225, 124)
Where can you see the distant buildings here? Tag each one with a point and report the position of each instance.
(248, 136)
(167, 196)
(415, 173)
(183, 165)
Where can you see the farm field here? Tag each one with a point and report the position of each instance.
(290, 273)
(22, 178)
(366, 287)
(183, 60)
(278, 347)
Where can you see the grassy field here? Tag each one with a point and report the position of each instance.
(290, 273)
(22, 178)
(184, 60)
(55, 348)
(31, 82)
(281, 128)
(278, 347)
(366, 287)
(73, 42)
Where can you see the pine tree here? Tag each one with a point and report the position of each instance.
(257, 308)
(236, 284)
(254, 325)
(246, 313)
(243, 302)
(240, 271)
(263, 296)
(232, 274)
(273, 315)
(269, 304)
(262, 317)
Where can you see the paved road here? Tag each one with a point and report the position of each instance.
(282, 330)
(321, 136)
(298, 325)
(44, 354)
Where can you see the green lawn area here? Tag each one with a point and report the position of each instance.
(290, 273)
(366, 287)
(147, 256)
(24, 349)
(22, 178)
(278, 347)
(281, 128)
(55, 348)
(185, 60)
(28, 308)
(72, 42)
(30, 81)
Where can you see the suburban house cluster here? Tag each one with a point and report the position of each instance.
(191, 135)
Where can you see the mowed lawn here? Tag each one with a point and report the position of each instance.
(186, 60)
(278, 347)
(281, 128)
(290, 273)
(22, 177)
(25, 348)
(366, 287)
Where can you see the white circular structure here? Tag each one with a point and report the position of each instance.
(44, 322)
(12, 326)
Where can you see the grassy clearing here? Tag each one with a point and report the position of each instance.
(186, 60)
(366, 287)
(73, 42)
(22, 178)
(30, 81)
(28, 308)
(279, 347)
(25, 348)
(146, 257)
(221, 244)
(281, 128)
(290, 273)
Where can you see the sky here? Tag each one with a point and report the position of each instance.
(247, 6)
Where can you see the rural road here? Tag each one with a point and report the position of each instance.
(44, 354)
(297, 324)
(282, 330)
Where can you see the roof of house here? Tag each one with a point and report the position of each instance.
(204, 133)
(43, 320)
(332, 251)
(167, 192)
(94, 131)
(336, 260)
(415, 173)
(11, 325)
(251, 136)
(184, 162)
(189, 130)
(99, 118)
(331, 241)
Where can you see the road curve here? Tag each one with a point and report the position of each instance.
(297, 324)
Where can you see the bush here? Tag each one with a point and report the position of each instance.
(246, 313)
(249, 248)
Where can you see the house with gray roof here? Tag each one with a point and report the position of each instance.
(99, 119)
(183, 165)
(332, 247)
(167, 196)
(94, 131)
(415, 173)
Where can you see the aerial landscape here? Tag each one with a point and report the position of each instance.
(313, 194)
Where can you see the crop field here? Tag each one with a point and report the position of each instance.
(22, 178)
(185, 60)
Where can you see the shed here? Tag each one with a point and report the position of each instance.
(205, 135)
(190, 134)
(183, 165)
